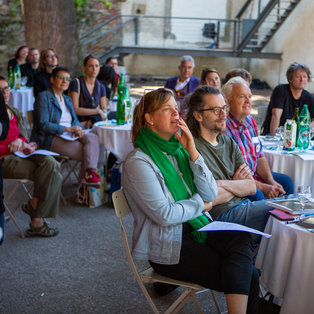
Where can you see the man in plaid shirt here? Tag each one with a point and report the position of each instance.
(242, 128)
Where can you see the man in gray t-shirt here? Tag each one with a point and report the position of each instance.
(207, 120)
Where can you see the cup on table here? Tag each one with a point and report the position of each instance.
(304, 193)
(23, 81)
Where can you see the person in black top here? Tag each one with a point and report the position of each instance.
(286, 97)
(4, 127)
(30, 69)
(47, 62)
(20, 57)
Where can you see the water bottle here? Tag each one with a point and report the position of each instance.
(304, 128)
(17, 77)
(11, 78)
(121, 103)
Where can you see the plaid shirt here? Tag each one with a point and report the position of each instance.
(243, 134)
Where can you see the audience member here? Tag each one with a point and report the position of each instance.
(54, 115)
(30, 69)
(108, 78)
(113, 62)
(4, 127)
(185, 83)
(286, 97)
(207, 121)
(47, 62)
(246, 75)
(88, 94)
(210, 77)
(20, 57)
(169, 187)
(243, 129)
(44, 171)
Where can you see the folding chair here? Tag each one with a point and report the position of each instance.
(18, 183)
(122, 209)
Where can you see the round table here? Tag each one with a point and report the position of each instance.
(299, 167)
(286, 261)
(114, 138)
(22, 99)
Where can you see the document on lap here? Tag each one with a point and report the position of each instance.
(36, 152)
(68, 136)
(229, 226)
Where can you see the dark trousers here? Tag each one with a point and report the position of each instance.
(224, 263)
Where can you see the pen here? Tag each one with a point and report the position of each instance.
(293, 221)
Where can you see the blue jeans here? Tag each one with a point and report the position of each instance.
(282, 179)
(251, 214)
(1, 228)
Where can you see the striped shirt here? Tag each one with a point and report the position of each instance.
(246, 136)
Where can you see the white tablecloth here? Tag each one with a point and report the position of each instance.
(115, 138)
(299, 170)
(22, 99)
(286, 261)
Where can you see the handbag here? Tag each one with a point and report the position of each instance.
(91, 196)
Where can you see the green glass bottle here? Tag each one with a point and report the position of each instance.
(11, 78)
(296, 118)
(304, 128)
(121, 102)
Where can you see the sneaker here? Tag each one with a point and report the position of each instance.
(92, 179)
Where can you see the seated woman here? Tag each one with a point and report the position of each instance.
(107, 77)
(54, 115)
(170, 189)
(88, 94)
(4, 127)
(210, 77)
(44, 171)
(20, 57)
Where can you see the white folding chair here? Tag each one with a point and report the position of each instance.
(19, 183)
(122, 209)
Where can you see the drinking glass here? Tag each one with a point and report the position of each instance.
(311, 136)
(23, 81)
(279, 132)
(304, 193)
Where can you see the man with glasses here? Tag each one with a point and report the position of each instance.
(286, 97)
(207, 121)
(242, 128)
(47, 62)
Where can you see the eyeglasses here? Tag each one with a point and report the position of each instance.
(61, 77)
(5, 89)
(217, 110)
(51, 56)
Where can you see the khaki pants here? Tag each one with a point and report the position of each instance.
(44, 171)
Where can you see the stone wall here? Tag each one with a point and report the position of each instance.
(11, 32)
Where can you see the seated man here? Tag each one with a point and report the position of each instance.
(207, 120)
(242, 128)
(287, 97)
(30, 69)
(44, 171)
(185, 83)
(54, 115)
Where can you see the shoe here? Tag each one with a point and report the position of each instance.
(92, 179)
(163, 289)
(43, 231)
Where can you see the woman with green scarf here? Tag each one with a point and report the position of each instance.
(170, 190)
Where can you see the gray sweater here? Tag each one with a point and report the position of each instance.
(158, 219)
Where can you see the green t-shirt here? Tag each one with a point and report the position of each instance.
(222, 160)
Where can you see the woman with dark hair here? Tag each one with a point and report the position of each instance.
(88, 94)
(170, 190)
(210, 77)
(107, 77)
(20, 57)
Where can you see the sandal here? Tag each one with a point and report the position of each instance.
(43, 231)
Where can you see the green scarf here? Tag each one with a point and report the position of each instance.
(155, 147)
